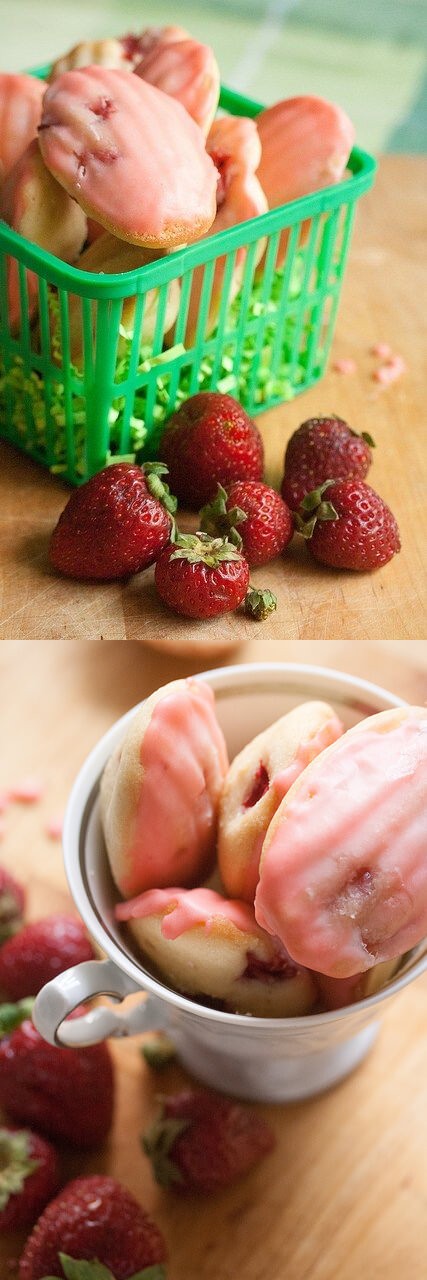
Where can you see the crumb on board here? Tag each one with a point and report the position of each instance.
(344, 365)
(28, 790)
(390, 372)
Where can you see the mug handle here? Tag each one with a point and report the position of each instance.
(80, 983)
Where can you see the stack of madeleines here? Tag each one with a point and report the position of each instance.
(119, 159)
(288, 882)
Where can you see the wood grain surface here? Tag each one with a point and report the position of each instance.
(344, 1195)
(383, 299)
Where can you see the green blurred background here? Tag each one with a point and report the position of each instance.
(368, 55)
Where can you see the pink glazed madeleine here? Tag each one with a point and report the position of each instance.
(21, 100)
(257, 780)
(130, 155)
(160, 791)
(211, 947)
(343, 871)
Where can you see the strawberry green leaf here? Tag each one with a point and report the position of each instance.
(158, 1272)
(258, 604)
(153, 472)
(16, 1164)
(158, 1143)
(216, 520)
(11, 1015)
(79, 1269)
(158, 1050)
(199, 548)
(368, 439)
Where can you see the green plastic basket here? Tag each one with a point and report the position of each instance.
(271, 340)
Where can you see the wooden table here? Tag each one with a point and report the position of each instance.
(383, 299)
(344, 1194)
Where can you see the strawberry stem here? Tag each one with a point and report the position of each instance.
(199, 548)
(12, 1015)
(153, 471)
(258, 604)
(316, 509)
(216, 519)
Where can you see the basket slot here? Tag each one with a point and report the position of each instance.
(279, 362)
(326, 250)
(181, 320)
(245, 297)
(6, 395)
(223, 316)
(330, 311)
(66, 374)
(125, 422)
(264, 317)
(44, 327)
(298, 341)
(101, 388)
(202, 323)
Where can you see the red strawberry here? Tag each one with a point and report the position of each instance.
(39, 952)
(29, 1177)
(201, 576)
(12, 902)
(350, 528)
(96, 1219)
(210, 440)
(65, 1094)
(115, 524)
(320, 448)
(253, 517)
(202, 1142)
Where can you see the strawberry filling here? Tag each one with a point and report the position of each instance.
(260, 785)
(103, 108)
(279, 968)
(222, 164)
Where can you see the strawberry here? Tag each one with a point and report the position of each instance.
(210, 440)
(94, 1219)
(320, 448)
(115, 524)
(201, 577)
(29, 1177)
(352, 528)
(201, 1142)
(12, 902)
(39, 952)
(253, 517)
(64, 1094)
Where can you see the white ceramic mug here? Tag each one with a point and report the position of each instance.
(266, 1059)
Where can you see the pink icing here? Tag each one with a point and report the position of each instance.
(346, 365)
(306, 752)
(5, 800)
(185, 909)
(343, 883)
(54, 826)
(28, 791)
(381, 349)
(184, 759)
(390, 372)
(142, 170)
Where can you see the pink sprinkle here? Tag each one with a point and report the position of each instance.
(381, 349)
(28, 791)
(390, 372)
(4, 800)
(54, 826)
(344, 366)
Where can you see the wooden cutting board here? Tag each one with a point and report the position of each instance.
(344, 1195)
(383, 299)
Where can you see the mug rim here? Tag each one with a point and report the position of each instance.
(80, 806)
